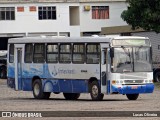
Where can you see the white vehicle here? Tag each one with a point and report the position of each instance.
(68, 65)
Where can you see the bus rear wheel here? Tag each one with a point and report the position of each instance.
(71, 96)
(132, 96)
(95, 91)
(38, 92)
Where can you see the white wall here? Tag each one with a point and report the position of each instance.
(115, 9)
(27, 22)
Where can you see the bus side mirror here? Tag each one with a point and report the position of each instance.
(103, 57)
(112, 52)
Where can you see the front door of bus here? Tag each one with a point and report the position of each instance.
(18, 68)
(104, 70)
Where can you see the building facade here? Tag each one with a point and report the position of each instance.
(57, 17)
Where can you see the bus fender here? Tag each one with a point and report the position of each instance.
(48, 86)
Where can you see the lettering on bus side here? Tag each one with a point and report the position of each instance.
(62, 71)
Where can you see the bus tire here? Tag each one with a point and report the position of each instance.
(38, 91)
(95, 92)
(132, 96)
(71, 96)
(157, 77)
(46, 95)
(3, 74)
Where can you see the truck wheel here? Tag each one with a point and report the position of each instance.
(38, 92)
(132, 96)
(95, 91)
(157, 77)
(71, 96)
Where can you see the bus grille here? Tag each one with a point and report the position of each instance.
(133, 81)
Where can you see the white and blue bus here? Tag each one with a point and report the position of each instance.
(68, 65)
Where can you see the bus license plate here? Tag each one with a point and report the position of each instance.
(134, 87)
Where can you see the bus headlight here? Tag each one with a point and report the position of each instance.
(117, 82)
(121, 82)
(146, 81)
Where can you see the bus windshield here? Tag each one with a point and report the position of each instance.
(131, 59)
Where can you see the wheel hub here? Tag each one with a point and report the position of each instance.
(36, 89)
(95, 91)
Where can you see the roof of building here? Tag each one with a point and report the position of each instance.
(119, 29)
(44, 1)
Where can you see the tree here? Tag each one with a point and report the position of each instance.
(143, 14)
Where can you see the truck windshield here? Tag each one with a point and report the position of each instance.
(131, 59)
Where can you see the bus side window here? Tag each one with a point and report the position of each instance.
(11, 53)
(65, 53)
(28, 53)
(78, 53)
(52, 53)
(93, 53)
(39, 53)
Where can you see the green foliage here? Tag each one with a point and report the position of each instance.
(144, 14)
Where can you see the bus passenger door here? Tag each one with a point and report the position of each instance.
(104, 70)
(18, 67)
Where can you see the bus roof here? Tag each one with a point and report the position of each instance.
(51, 39)
(59, 40)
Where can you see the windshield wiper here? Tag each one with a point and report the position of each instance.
(128, 53)
(136, 52)
(125, 51)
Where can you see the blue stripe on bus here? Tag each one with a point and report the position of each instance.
(129, 89)
(108, 87)
(66, 86)
(60, 85)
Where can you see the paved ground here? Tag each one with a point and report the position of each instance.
(11, 100)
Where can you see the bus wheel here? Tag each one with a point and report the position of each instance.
(38, 92)
(157, 77)
(71, 96)
(95, 91)
(132, 96)
(3, 74)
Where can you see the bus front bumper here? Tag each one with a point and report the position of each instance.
(132, 89)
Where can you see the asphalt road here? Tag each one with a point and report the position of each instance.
(11, 100)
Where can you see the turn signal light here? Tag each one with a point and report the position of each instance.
(113, 82)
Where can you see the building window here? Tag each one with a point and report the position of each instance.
(7, 13)
(28, 53)
(32, 9)
(47, 13)
(52, 53)
(20, 9)
(100, 12)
